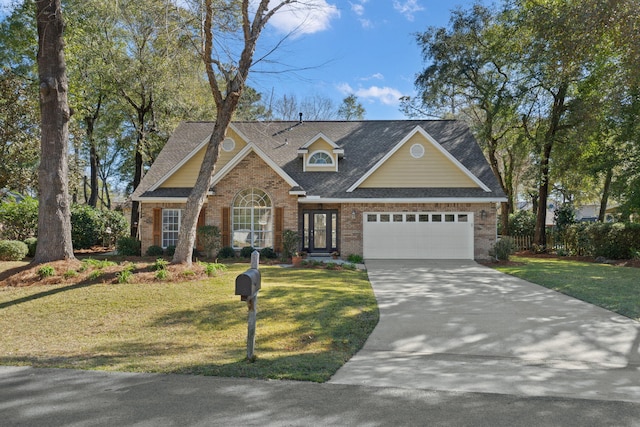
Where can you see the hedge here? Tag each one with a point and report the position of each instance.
(614, 241)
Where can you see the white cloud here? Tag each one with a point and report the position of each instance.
(308, 17)
(385, 95)
(357, 8)
(375, 76)
(345, 88)
(408, 8)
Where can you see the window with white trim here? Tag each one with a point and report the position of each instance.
(320, 158)
(170, 226)
(252, 219)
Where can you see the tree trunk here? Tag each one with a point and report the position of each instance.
(540, 235)
(54, 214)
(137, 177)
(605, 195)
(197, 197)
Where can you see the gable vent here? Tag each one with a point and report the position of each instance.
(417, 151)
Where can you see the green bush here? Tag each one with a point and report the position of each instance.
(614, 241)
(209, 236)
(86, 226)
(155, 250)
(114, 226)
(12, 250)
(46, 271)
(503, 248)
(290, 243)
(522, 223)
(31, 243)
(170, 250)
(227, 252)
(128, 246)
(160, 264)
(19, 219)
(355, 259)
(90, 226)
(268, 253)
(246, 252)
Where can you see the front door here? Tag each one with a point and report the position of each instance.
(319, 231)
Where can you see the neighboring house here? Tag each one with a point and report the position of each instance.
(381, 189)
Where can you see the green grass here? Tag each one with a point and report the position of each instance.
(310, 322)
(611, 287)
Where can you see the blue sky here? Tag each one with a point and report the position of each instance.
(364, 47)
(337, 48)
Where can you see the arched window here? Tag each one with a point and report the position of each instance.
(252, 219)
(320, 158)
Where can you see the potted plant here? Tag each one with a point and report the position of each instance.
(296, 259)
(335, 254)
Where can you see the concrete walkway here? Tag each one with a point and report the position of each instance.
(459, 326)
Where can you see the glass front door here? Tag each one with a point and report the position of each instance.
(320, 231)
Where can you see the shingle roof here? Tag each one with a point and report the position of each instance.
(364, 144)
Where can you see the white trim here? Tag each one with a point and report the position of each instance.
(317, 137)
(323, 165)
(316, 199)
(433, 142)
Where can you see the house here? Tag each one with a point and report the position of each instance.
(380, 189)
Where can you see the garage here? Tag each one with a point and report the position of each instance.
(422, 235)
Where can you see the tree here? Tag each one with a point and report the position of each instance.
(54, 215)
(351, 109)
(226, 93)
(18, 135)
(473, 75)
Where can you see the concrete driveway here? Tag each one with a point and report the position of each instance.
(459, 326)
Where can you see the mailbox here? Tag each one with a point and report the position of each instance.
(248, 283)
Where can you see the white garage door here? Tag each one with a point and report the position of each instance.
(428, 235)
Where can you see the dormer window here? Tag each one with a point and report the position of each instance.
(320, 158)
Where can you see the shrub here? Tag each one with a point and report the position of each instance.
(170, 250)
(522, 223)
(503, 248)
(113, 227)
(290, 242)
(162, 274)
(211, 268)
(209, 236)
(86, 226)
(124, 276)
(19, 219)
(268, 253)
(70, 274)
(31, 243)
(160, 264)
(155, 250)
(246, 251)
(128, 246)
(355, 259)
(227, 252)
(12, 250)
(90, 226)
(46, 271)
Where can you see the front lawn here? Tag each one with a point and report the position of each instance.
(615, 288)
(310, 322)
